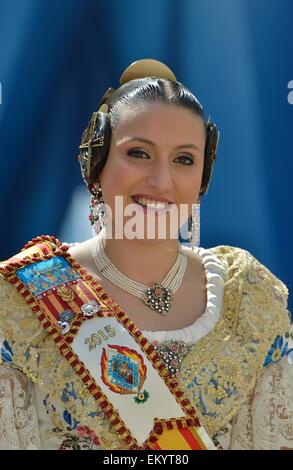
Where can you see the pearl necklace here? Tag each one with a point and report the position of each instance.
(159, 295)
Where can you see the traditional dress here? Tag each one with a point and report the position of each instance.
(233, 364)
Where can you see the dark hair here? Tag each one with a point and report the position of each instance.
(96, 138)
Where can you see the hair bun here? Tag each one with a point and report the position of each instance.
(146, 68)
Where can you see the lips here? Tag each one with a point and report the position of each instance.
(150, 202)
(139, 198)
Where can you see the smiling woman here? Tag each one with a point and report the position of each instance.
(155, 173)
(138, 341)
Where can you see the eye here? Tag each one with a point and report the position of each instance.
(185, 159)
(137, 153)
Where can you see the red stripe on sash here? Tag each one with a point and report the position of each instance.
(188, 436)
(77, 300)
(50, 307)
(86, 291)
(156, 446)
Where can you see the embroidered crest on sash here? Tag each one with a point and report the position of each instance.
(124, 371)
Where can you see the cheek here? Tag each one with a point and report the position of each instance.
(117, 177)
(190, 186)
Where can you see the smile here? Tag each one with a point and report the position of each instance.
(151, 204)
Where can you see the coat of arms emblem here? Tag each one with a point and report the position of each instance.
(124, 371)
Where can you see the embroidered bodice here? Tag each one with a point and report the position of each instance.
(229, 363)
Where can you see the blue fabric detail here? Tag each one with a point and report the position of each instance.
(39, 277)
(278, 349)
(68, 419)
(6, 352)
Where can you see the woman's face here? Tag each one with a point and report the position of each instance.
(156, 153)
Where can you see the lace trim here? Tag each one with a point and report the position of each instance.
(265, 422)
(18, 417)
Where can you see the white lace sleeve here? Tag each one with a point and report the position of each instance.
(266, 421)
(18, 416)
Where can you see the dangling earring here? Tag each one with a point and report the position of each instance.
(97, 214)
(194, 226)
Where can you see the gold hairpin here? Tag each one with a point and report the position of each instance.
(97, 142)
(104, 108)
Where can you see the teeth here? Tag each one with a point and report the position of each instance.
(152, 204)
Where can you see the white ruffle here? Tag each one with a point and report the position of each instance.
(216, 272)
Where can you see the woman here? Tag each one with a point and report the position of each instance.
(135, 341)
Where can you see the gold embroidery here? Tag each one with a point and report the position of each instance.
(218, 373)
(96, 338)
(221, 370)
(66, 293)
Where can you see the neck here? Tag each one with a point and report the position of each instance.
(144, 261)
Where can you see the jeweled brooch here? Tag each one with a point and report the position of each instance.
(158, 298)
(90, 308)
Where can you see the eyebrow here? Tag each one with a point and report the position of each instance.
(147, 141)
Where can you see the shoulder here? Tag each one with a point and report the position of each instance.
(18, 323)
(257, 277)
(13, 270)
(82, 252)
(12, 292)
(35, 250)
(263, 302)
(253, 271)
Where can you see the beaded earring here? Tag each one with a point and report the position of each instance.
(97, 215)
(194, 226)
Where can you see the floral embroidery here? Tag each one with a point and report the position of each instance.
(58, 422)
(85, 431)
(6, 352)
(277, 351)
(68, 391)
(74, 435)
(85, 439)
(254, 313)
(72, 399)
(222, 368)
(214, 385)
(77, 436)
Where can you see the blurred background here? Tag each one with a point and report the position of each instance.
(57, 59)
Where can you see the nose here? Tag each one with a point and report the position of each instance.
(160, 178)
